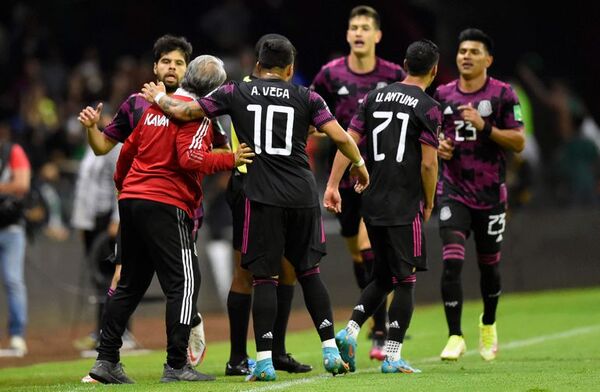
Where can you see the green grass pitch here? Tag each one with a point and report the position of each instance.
(549, 341)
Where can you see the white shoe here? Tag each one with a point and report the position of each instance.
(129, 341)
(196, 344)
(455, 347)
(18, 345)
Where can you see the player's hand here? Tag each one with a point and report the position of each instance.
(89, 116)
(446, 149)
(332, 200)
(362, 176)
(151, 90)
(243, 155)
(470, 114)
(427, 213)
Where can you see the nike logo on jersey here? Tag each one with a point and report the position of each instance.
(343, 91)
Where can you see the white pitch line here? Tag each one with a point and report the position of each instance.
(507, 346)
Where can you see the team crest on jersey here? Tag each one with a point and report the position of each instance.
(484, 108)
(381, 84)
(343, 91)
(445, 213)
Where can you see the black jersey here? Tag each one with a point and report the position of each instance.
(272, 117)
(395, 121)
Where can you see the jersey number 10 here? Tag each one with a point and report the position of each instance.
(388, 117)
(289, 129)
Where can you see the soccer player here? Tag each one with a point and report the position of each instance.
(272, 116)
(171, 56)
(482, 122)
(400, 123)
(239, 299)
(159, 179)
(342, 83)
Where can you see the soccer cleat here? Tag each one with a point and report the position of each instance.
(107, 372)
(196, 344)
(332, 361)
(289, 364)
(244, 368)
(347, 346)
(186, 373)
(488, 340)
(88, 380)
(264, 371)
(377, 349)
(18, 345)
(399, 366)
(455, 347)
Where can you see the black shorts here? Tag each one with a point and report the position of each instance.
(487, 225)
(399, 251)
(272, 232)
(350, 216)
(236, 198)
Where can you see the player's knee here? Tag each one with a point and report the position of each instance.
(307, 274)
(242, 281)
(453, 236)
(488, 259)
(264, 280)
(452, 270)
(288, 274)
(404, 281)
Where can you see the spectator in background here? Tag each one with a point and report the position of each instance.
(15, 177)
(95, 212)
(574, 170)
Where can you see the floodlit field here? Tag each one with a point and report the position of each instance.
(549, 341)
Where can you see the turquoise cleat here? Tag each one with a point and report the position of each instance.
(264, 371)
(399, 366)
(332, 361)
(347, 345)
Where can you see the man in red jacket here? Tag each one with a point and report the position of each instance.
(159, 179)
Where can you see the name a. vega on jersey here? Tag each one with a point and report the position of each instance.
(271, 92)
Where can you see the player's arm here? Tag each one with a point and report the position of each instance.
(429, 172)
(195, 154)
(98, 141)
(176, 108)
(125, 160)
(331, 199)
(20, 182)
(510, 139)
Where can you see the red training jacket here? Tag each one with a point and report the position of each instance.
(164, 160)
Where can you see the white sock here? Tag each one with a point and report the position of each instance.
(328, 343)
(353, 329)
(393, 350)
(263, 355)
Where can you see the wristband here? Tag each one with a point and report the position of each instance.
(360, 163)
(487, 129)
(159, 97)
